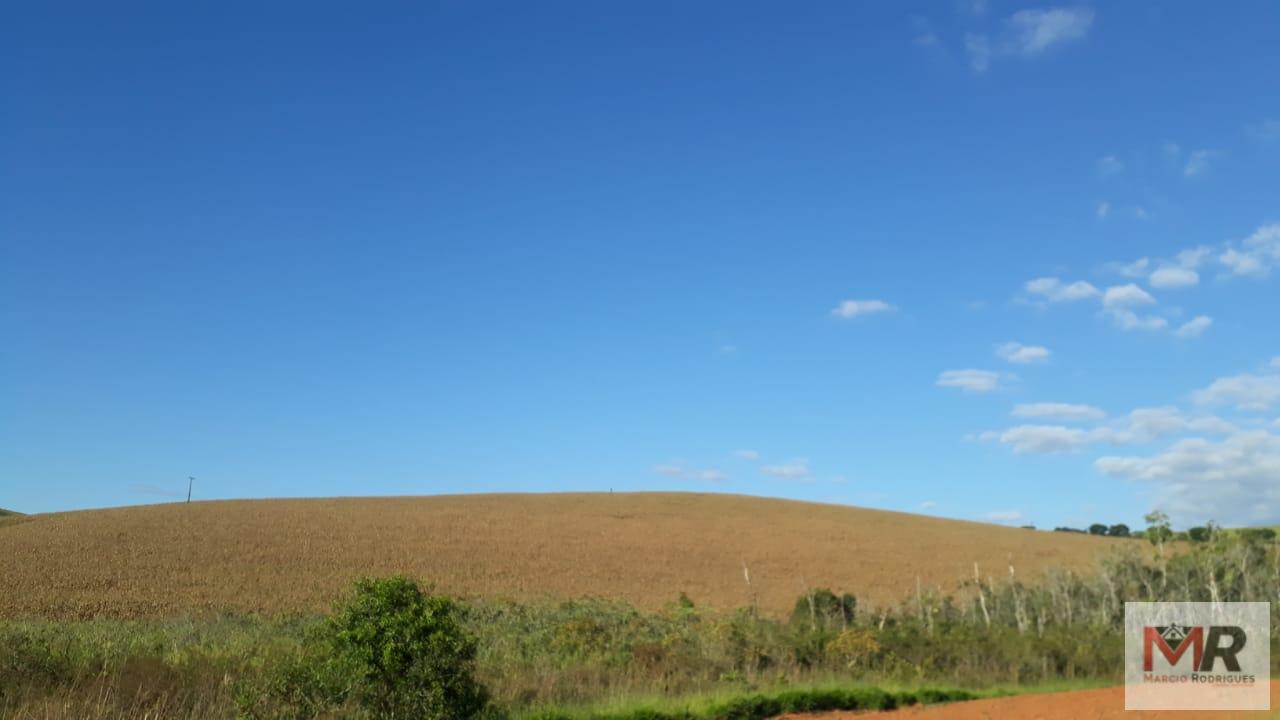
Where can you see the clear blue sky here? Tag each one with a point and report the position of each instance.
(301, 249)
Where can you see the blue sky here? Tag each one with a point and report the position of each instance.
(999, 261)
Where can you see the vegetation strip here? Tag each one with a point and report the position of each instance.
(760, 706)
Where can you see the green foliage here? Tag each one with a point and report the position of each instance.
(409, 655)
(1198, 534)
(822, 609)
(1097, 529)
(1257, 535)
(759, 706)
(1118, 530)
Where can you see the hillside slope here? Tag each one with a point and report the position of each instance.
(277, 556)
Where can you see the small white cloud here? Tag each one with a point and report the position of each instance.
(1245, 391)
(1174, 277)
(1044, 439)
(1137, 268)
(1109, 165)
(1121, 296)
(1004, 515)
(1267, 131)
(1037, 30)
(1194, 327)
(712, 475)
(1059, 411)
(680, 470)
(674, 470)
(1054, 290)
(979, 49)
(794, 470)
(751, 455)
(1198, 162)
(922, 31)
(858, 308)
(969, 380)
(1140, 213)
(1016, 352)
(1194, 257)
(1129, 320)
(1256, 255)
(928, 505)
(1104, 209)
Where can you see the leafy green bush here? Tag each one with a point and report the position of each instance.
(409, 654)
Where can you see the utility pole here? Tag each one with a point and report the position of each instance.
(190, 481)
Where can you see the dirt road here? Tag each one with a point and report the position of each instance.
(1104, 704)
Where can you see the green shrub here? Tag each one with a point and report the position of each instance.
(409, 655)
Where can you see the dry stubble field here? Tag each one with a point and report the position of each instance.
(282, 556)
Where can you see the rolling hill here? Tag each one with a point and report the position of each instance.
(279, 556)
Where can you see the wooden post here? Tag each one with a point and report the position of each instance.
(190, 481)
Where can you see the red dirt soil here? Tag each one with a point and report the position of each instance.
(1104, 704)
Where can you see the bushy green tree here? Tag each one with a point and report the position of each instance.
(824, 610)
(1118, 530)
(1097, 529)
(410, 656)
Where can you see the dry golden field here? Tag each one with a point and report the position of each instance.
(280, 556)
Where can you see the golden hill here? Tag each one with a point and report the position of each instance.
(276, 556)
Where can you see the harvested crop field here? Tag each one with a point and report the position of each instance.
(1104, 704)
(281, 556)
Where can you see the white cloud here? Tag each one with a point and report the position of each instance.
(1142, 425)
(1198, 162)
(1043, 439)
(1037, 30)
(1054, 290)
(1104, 209)
(794, 470)
(1174, 277)
(922, 31)
(1016, 352)
(1136, 269)
(1059, 411)
(858, 308)
(1028, 33)
(1129, 295)
(1194, 327)
(1129, 320)
(1267, 131)
(979, 49)
(751, 455)
(1193, 257)
(928, 504)
(969, 380)
(1109, 165)
(1232, 481)
(1004, 515)
(1245, 391)
(680, 470)
(1256, 255)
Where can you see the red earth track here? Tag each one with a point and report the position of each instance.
(1102, 704)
